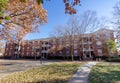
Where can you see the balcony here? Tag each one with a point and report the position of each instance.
(88, 49)
(88, 42)
(46, 45)
(45, 51)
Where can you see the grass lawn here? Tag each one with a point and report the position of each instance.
(55, 73)
(105, 73)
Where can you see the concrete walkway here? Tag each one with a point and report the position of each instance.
(81, 76)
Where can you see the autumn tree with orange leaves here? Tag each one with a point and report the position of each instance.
(25, 17)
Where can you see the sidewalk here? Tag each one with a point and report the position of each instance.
(81, 76)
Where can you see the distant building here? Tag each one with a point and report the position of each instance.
(88, 46)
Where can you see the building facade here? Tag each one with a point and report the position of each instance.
(87, 46)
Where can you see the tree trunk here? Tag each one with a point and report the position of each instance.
(71, 53)
(18, 53)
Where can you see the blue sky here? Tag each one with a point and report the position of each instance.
(56, 15)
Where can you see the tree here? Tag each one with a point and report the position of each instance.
(1, 47)
(69, 6)
(25, 17)
(3, 4)
(116, 21)
(111, 46)
(76, 27)
(28, 16)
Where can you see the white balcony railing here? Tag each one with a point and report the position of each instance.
(46, 45)
(88, 42)
(45, 51)
(89, 49)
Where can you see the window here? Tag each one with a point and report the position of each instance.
(54, 47)
(6, 49)
(48, 47)
(9, 53)
(85, 39)
(60, 52)
(99, 44)
(97, 37)
(75, 45)
(15, 52)
(45, 48)
(53, 52)
(42, 42)
(27, 47)
(54, 41)
(27, 53)
(33, 48)
(22, 50)
(30, 43)
(99, 52)
(22, 53)
(107, 36)
(37, 53)
(67, 45)
(60, 41)
(75, 53)
(90, 39)
(37, 49)
(91, 47)
(67, 52)
(15, 49)
(16, 45)
(46, 43)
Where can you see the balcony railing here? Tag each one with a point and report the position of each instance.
(89, 49)
(45, 51)
(88, 42)
(46, 45)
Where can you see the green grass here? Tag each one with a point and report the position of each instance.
(105, 73)
(54, 73)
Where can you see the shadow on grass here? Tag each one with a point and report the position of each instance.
(102, 74)
(6, 64)
(53, 81)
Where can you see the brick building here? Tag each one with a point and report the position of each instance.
(83, 47)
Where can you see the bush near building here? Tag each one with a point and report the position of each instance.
(113, 59)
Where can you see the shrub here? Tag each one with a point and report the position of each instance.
(115, 59)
